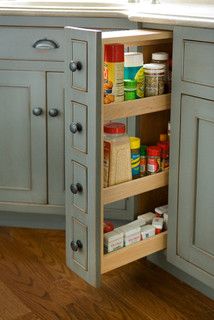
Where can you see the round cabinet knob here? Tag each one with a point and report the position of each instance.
(53, 112)
(76, 245)
(37, 111)
(75, 188)
(75, 65)
(74, 127)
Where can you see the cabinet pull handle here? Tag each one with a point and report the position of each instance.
(45, 44)
(37, 111)
(74, 127)
(75, 65)
(75, 188)
(53, 112)
(76, 245)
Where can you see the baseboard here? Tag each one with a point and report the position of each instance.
(32, 220)
(160, 260)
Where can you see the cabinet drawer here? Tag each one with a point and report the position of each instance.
(198, 64)
(80, 234)
(41, 44)
(79, 186)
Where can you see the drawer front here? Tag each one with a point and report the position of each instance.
(80, 233)
(198, 64)
(40, 44)
(78, 126)
(79, 178)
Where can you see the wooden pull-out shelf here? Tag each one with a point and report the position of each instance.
(135, 187)
(136, 107)
(134, 252)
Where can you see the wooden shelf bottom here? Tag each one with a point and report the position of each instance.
(133, 252)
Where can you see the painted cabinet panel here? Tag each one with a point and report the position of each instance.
(22, 137)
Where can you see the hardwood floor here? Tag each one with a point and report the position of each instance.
(36, 285)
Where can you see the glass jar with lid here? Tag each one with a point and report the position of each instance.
(163, 58)
(154, 79)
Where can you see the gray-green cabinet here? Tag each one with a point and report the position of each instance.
(191, 192)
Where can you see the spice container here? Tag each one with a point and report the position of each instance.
(159, 211)
(113, 73)
(154, 79)
(133, 69)
(147, 231)
(162, 58)
(164, 146)
(146, 217)
(130, 87)
(143, 160)
(135, 156)
(113, 241)
(153, 160)
(117, 164)
(158, 224)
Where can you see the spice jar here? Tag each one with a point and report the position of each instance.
(133, 69)
(154, 79)
(135, 156)
(113, 73)
(117, 164)
(163, 58)
(143, 160)
(153, 160)
(164, 146)
(130, 87)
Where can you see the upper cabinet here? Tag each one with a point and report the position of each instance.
(191, 201)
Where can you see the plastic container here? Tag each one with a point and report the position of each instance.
(164, 146)
(158, 224)
(130, 89)
(113, 73)
(143, 160)
(135, 156)
(154, 79)
(153, 160)
(162, 58)
(133, 70)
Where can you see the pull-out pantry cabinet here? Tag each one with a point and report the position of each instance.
(85, 115)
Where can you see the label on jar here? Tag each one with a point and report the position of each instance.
(142, 166)
(113, 82)
(106, 164)
(135, 161)
(153, 165)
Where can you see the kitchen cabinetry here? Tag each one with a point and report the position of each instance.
(191, 201)
(85, 196)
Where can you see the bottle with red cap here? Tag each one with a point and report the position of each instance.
(113, 73)
(153, 159)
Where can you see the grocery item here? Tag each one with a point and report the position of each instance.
(117, 164)
(147, 231)
(135, 156)
(165, 221)
(130, 87)
(164, 147)
(146, 217)
(169, 131)
(153, 159)
(133, 70)
(113, 73)
(108, 226)
(154, 79)
(131, 233)
(143, 160)
(163, 137)
(158, 224)
(162, 58)
(113, 241)
(159, 211)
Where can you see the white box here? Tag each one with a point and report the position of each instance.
(161, 210)
(147, 231)
(113, 240)
(146, 217)
(158, 223)
(131, 233)
(165, 221)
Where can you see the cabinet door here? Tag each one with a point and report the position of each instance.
(191, 197)
(56, 146)
(22, 137)
(83, 152)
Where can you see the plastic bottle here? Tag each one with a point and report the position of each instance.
(163, 58)
(154, 79)
(153, 160)
(135, 156)
(130, 87)
(143, 160)
(133, 70)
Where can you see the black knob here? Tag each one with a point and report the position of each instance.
(75, 188)
(74, 127)
(75, 65)
(53, 112)
(37, 111)
(76, 245)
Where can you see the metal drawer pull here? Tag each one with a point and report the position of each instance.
(75, 65)
(74, 127)
(53, 112)
(76, 188)
(45, 44)
(37, 111)
(76, 246)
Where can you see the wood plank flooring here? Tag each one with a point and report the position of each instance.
(35, 284)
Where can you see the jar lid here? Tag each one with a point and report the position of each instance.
(130, 84)
(143, 150)
(153, 151)
(160, 56)
(133, 59)
(153, 66)
(114, 52)
(163, 137)
(114, 128)
(134, 142)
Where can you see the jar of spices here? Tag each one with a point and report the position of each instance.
(143, 160)
(154, 79)
(162, 58)
(164, 146)
(135, 156)
(153, 160)
(130, 87)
